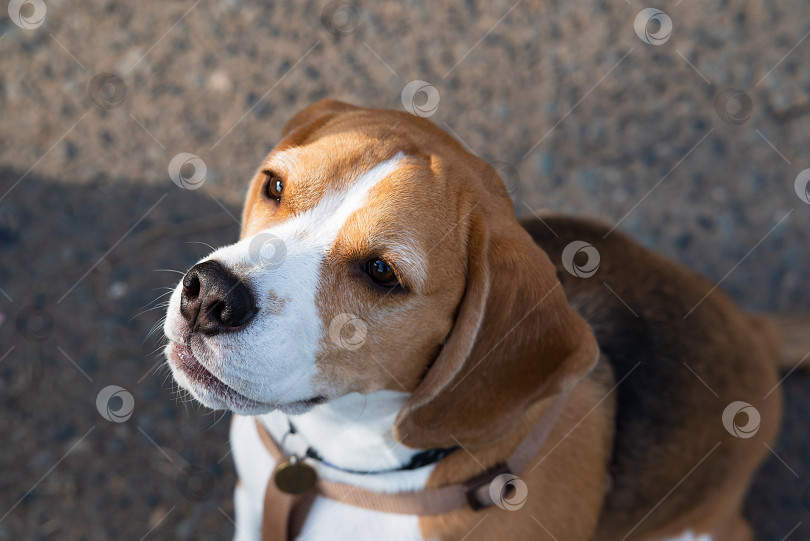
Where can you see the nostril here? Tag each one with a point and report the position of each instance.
(237, 309)
(191, 284)
(216, 310)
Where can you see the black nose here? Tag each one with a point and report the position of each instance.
(214, 300)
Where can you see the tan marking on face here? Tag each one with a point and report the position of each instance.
(404, 327)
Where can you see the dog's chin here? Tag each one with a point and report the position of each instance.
(215, 394)
(301, 406)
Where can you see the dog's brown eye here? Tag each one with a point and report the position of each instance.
(273, 186)
(382, 273)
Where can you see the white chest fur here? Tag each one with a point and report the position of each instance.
(353, 432)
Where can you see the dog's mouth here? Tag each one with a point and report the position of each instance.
(201, 379)
(184, 359)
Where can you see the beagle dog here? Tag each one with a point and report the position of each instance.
(387, 322)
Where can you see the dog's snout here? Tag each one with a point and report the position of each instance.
(214, 300)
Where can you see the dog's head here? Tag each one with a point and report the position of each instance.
(376, 254)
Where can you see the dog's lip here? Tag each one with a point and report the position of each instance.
(183, 357)
(308, 403)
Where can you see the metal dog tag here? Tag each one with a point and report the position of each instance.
(294, 476)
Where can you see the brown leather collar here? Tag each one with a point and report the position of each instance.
(284, 514)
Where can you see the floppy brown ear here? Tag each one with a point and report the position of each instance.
(313, 116)
(515, 340)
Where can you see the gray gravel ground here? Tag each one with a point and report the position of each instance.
(582, 115)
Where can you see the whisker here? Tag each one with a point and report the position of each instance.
(169, 270)
(158, 307)
(154, 370)
(156, 350)
(157, 326)
(169, 292)
(203, 243)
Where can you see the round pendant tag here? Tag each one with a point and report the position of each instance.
(295, 477)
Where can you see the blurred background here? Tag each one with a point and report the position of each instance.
(685, 124)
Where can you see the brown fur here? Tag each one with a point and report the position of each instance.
(652, 493)
(679, 422)
(491, 325)
(788, 334)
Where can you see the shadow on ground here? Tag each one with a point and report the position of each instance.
(86, 258)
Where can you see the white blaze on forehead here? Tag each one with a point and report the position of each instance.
(319, 227)
(328, 217)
